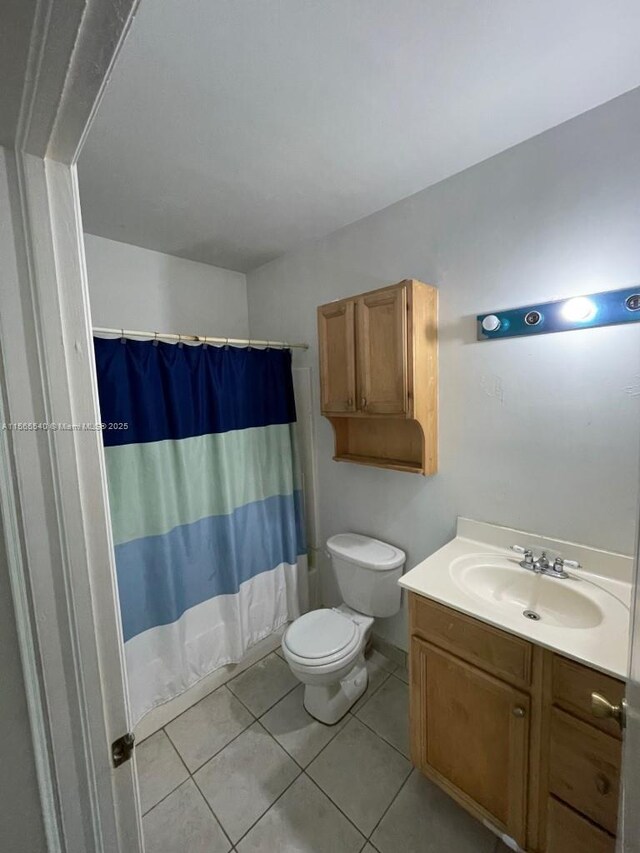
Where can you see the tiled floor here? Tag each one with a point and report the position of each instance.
(247, 769)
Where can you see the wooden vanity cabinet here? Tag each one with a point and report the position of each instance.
(505, 727)
(378, 376)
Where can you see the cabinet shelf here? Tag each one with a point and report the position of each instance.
(378, 376)
(393, 464)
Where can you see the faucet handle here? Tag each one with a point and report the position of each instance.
(526, 552)
(561, 564)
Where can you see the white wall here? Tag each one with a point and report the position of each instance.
(538, 433)
(136, 288)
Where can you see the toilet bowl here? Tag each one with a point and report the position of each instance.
(325, 648)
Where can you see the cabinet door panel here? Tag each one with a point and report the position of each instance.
(470, 732)
(383, 352)
(584, 769)
(336, 338)
(573, 685)
(569, 832)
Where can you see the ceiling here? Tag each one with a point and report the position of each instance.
(234, 130)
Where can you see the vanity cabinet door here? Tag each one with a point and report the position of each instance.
(584, 769)
(383, 352)
(470, 734)
(569, 832)
(336, 338)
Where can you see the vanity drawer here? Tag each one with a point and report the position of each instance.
(488, 648)
(572, 686)
(569, 832)
(584, 768)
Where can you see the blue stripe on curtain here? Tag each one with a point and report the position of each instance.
(160, 577)
(172, 392)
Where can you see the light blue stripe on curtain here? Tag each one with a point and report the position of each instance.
(160, 577)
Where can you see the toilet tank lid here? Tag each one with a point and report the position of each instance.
(365, 551)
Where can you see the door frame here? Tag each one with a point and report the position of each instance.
(53, 500)
(629, 816)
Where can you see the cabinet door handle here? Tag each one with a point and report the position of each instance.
(364, 402)
(602, 708)
(518, 711)
(350, 403)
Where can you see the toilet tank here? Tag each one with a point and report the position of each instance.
(367, 571)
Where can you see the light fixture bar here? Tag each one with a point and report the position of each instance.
(607, 308)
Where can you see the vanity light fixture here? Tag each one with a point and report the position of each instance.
(606, 308)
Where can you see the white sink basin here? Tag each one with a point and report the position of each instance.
(505, 584)
(584, 616)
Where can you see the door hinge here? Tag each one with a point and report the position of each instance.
(122, 749)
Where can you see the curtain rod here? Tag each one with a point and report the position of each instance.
(200, 339)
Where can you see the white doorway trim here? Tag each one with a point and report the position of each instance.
(53, 502)
(629, 814)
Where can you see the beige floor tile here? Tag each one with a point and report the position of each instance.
(160, 769)
(303, 820)
(263, 684)
(402, 673)
(423, 819)
(387, 713)
(242, 781)
(360, 773)
(297, 731)
(183, 823)
(208, 726)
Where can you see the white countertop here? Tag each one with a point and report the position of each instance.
(584, 617)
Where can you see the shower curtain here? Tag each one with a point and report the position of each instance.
(206, 505)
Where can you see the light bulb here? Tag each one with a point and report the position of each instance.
(491, 323)
(579, 310)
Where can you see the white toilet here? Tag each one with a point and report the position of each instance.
(325, 648)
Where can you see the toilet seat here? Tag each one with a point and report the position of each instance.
(321, 638)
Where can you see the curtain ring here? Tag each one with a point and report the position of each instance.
(226, 343)
(179, 340)
(155, 339)
(249, 346)
(123, 340)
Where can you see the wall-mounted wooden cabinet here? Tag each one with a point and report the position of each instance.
(505, 727)
(378, 376)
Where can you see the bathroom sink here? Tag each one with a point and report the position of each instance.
(503, 583)
(584, 616)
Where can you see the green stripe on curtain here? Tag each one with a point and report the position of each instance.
(156, 486)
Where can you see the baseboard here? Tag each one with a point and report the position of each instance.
(160, 716)
(398, 656)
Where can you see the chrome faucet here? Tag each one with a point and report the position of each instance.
(541, 565)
